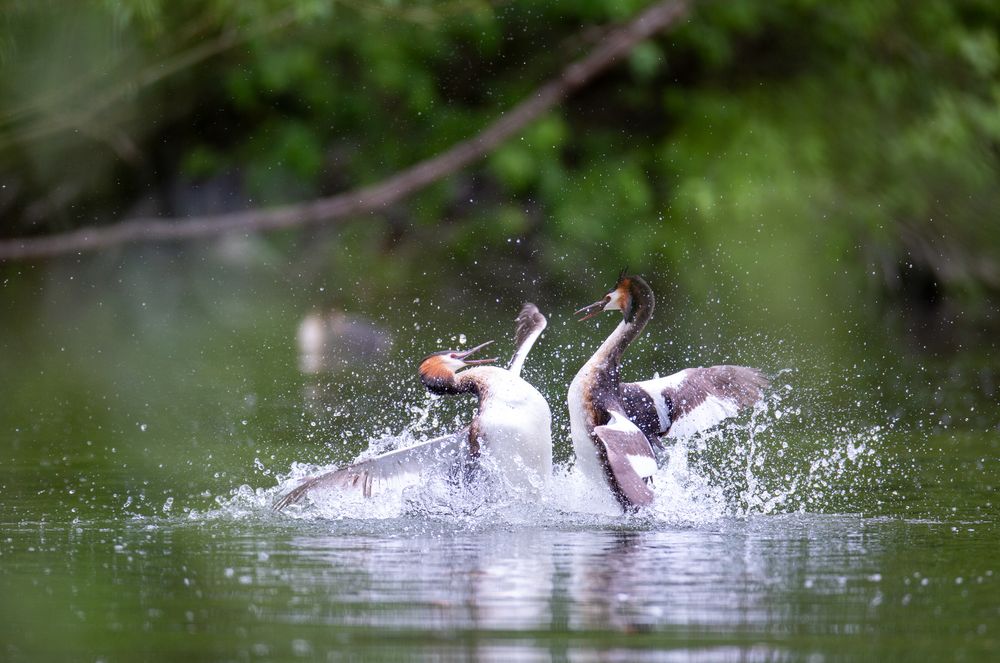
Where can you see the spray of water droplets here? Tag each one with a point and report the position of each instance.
(778, 458)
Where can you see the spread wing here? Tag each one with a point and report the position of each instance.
(530, 325)
(630, 460)
(692, 400)
(393, 469)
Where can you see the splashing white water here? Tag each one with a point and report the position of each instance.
(775, 459)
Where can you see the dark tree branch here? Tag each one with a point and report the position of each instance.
(609, 50)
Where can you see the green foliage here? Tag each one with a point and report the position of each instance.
(798, 152)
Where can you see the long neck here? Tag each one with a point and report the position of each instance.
(608, 357)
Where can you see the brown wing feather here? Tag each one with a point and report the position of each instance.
(529, 325)
(353, 476)
(441, 453)
(641, 410)
(731, 388)
(619, 443)
(740, 384)
(528, 320)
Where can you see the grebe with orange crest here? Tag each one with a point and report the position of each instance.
(511, 428)
(615, 424)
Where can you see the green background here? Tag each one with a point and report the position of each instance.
(810, 188)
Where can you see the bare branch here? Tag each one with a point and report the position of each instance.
(610, 49)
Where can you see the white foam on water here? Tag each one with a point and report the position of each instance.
(769, 461)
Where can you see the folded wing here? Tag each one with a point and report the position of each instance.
(388, 471)
(629, 460)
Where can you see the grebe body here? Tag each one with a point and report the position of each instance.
(511, 428)
(609, 447)
(614, 425)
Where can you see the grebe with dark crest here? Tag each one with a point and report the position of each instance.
(614, 425)
(511, 427)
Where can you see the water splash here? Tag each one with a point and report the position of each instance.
(778, 458)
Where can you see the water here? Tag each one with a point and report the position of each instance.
(146, 430)
(262, 588)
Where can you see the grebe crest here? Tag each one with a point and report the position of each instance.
(624, 297)
(438, 370)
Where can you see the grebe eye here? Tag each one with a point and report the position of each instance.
(454, 356)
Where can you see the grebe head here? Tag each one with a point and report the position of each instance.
(620, 298)
(439, 369)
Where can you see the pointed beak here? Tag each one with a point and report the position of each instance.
(473, 362)
(592, 310)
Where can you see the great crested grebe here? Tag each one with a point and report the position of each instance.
(614, 424)
(511, 427)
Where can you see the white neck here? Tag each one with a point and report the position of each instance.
(522, 352)
(579, 414)
(605, 352)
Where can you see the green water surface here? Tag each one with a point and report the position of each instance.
(144, 423)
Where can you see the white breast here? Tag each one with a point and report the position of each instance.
(587, 460)
(515, 425)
